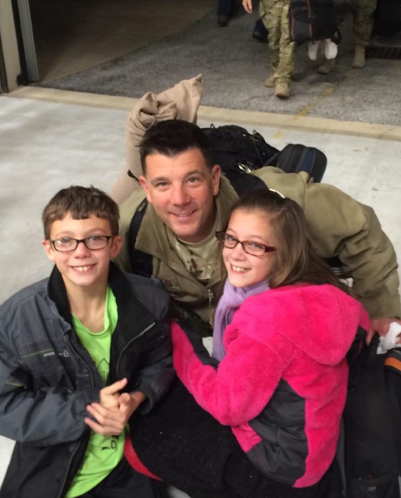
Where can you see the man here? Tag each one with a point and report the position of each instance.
(189, 200)
(274, 15)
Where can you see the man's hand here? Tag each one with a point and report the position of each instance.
(380, 326)
(247, 4)
(112, 421)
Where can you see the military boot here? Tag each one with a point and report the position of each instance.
(327, 66)
(359, 57)
(282, 90)
(270, 81)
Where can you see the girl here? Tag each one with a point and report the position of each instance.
(282, 331)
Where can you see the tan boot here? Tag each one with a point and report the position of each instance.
(327, 67)
(359, 57)
(282, 90)
(270, 81)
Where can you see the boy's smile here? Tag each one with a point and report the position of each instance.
(82, 267)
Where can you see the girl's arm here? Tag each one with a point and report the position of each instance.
(243, 383)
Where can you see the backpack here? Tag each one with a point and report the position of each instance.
(235, 149)
(372, 415)
(387, 18)
(312, 20)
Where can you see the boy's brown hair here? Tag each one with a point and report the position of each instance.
(80, 202)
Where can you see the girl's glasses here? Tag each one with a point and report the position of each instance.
(249, 246)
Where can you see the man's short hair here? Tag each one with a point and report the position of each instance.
(172, 137)
(80, 203)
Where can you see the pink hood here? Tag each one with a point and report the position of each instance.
(336, 317)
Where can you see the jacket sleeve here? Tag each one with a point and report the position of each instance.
(341, 226)
(157, 371)
(242, 385)
(156, 377)
(44, 416)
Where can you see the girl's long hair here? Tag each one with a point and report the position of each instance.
(295, 259)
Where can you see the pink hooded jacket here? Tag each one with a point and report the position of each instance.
(282, 385)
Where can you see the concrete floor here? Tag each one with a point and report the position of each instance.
(45, 146)
(74, 35)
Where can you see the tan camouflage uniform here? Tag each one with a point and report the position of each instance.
(274, 14)
(362, 11)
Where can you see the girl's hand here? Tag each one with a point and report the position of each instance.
(247, 4)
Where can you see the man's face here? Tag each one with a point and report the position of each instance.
(182, 190)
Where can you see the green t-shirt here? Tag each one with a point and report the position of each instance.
(103, 453)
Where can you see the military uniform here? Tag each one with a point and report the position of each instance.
(362, 12)
(274, 14)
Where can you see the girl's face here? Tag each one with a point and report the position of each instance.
(245, 269)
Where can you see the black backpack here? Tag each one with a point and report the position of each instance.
(372, 423)
(235, 149)
(312, 20)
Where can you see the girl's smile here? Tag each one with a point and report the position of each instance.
(245, 269)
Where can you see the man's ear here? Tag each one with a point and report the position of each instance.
(216, 175)
(115, 248)
(48, 249)
(144, 185)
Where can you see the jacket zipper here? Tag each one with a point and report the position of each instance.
(211, 297)
(131, 341)
(79, 442)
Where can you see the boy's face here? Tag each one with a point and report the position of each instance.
(82, 267)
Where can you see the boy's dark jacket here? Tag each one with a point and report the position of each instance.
(47, 378)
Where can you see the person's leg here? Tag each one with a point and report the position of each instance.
(270, 13)
(125, 482)
(362, 12)
(339, 11)
(285, 67)
(224, 11)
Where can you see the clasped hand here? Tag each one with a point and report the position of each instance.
(114, 409)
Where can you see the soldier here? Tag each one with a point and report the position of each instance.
(274, 14)
(362, 13)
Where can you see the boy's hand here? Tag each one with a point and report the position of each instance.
(109, 395)
(111, 422)
(247, 4)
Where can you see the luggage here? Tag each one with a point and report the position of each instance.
(372, 424)
(235, 149)
(311, 20)
(234, 146)
(295, 158)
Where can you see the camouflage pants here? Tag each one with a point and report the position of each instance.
(362, 13)
(274, 14)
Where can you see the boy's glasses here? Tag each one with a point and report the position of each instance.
(249, 246)
(94, 243)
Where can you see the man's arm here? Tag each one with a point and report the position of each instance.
(341, 226)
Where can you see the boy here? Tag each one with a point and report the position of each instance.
(62, 340)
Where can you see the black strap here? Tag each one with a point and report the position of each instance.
(141, 262)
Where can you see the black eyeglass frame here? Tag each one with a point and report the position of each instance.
(84, 241)
(220, 236)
